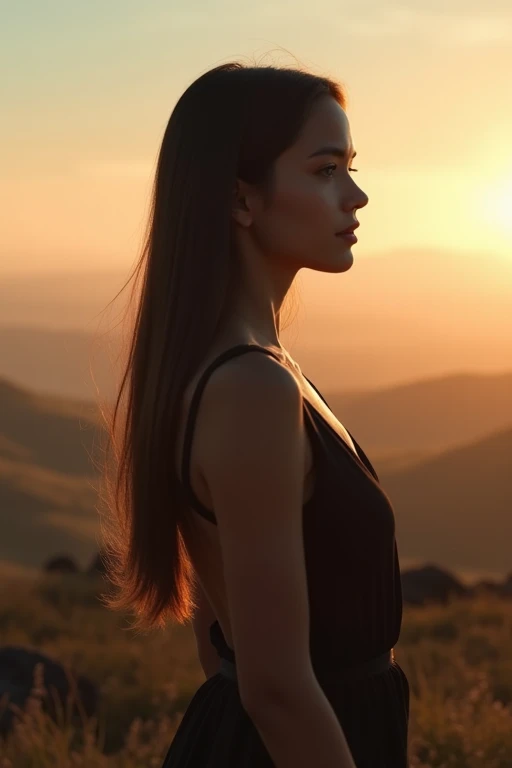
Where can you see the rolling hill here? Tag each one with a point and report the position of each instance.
(455, 508)
(448, 472)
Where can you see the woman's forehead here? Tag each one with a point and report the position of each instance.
(326, 127)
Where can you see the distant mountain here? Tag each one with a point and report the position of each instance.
(80, 364)
(452, 507)
(44, 513)
(48, 479)
(48, 432)
(425, 416)
(400, 317)
(396, 426)
(66, 363)
(456, 508)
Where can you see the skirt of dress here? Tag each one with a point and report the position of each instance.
(216, 731)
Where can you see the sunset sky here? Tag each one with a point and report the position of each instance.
(90, 87)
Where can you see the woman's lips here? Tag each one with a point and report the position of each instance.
(349, 237)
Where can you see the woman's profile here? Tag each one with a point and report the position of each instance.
(241, 503)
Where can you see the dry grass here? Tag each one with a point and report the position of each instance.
(457, 658)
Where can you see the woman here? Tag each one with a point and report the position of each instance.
(245, 505)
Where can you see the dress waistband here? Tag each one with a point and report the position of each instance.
(344, 674)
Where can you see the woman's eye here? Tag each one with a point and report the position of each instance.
(333, 167)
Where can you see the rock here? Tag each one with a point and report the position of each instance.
(430, 583)
(61, 564)
(17, 665)
(97, 566)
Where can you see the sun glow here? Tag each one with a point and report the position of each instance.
(497, 205)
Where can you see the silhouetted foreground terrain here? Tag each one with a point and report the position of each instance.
(456, 657)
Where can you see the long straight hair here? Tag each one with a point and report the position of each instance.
(232, 122)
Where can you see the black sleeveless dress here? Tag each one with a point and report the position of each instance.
(355, 598)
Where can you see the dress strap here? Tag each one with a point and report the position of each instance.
(239, 349)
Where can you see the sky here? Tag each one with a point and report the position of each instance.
(90, 87)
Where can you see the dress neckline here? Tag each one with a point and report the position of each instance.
(360, 460)
(368, 469)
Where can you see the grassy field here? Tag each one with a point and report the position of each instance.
(458, 659)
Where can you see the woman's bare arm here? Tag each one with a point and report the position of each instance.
(253, 462)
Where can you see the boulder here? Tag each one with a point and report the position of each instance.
(61, 564)
(430, 583)
(17, 665)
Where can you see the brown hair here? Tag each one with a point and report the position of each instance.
(233, 121)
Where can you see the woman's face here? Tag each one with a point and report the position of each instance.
(314, 196)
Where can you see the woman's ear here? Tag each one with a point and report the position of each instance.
(241, 205)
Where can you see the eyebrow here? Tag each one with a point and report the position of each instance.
(331, 150)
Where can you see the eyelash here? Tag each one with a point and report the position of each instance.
(334, 166)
